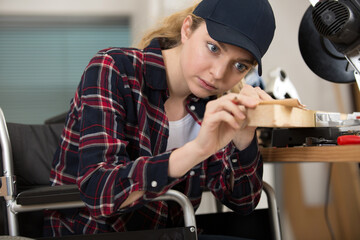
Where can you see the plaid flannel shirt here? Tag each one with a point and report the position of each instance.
(114, 143)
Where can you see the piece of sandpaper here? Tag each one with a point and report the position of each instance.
(289, 102)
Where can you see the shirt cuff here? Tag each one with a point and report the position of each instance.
(244, 158)
(155, 174)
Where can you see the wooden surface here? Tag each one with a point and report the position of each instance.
(309, 221)
(287, 113)
(277, 115)
(345, 153)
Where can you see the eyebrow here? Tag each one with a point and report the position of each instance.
(249, 61)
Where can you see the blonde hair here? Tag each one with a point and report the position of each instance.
(169, 31)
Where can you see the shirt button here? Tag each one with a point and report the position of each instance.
(192, 108)
(153, 183)
(234, 160)
(192, 173)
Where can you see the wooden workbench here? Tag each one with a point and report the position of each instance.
(344, 208)
(345, 153)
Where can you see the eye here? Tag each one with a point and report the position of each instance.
(212, 47)
(241, 67)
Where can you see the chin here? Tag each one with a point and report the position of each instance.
(203, 94)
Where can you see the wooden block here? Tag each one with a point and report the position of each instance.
(279, 115)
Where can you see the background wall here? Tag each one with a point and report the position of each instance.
(284, 51)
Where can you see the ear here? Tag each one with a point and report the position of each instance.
(186, 28)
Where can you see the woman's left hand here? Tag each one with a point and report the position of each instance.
(244, 135)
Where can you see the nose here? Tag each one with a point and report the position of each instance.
(218, 69)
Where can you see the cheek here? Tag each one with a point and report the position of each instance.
(193, 60)
(231, 82)
(235, 79)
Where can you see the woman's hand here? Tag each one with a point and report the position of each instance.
(225, 120)
(244, 136)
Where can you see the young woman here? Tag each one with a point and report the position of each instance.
(146, 121)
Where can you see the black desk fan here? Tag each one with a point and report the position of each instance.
(329, 40)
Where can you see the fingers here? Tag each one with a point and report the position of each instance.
(227, 117)
(263, 95)
(231, 107)
(255, 92)
(231, 104)
(245, 100)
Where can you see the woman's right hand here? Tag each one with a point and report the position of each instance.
(222, 119)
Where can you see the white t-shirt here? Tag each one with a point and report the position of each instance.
(182, 131)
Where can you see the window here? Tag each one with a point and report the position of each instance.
(42, 60)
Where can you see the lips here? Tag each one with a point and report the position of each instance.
(207, 85)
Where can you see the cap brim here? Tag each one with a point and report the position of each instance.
(222, 33)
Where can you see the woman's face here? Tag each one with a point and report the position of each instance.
(210, 67)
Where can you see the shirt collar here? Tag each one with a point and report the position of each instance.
(154, 67)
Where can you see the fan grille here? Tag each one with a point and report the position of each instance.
(329, 17)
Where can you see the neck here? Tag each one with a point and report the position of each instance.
(178, 89)
(176, 83)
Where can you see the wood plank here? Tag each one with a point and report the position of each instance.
(287, 113)
(277, 115)
(337, 153)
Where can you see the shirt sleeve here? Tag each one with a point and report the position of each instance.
(108, 171)
(235, 177)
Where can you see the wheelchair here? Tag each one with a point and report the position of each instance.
(27, 152)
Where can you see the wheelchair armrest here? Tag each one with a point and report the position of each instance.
(49, 195)
(55, 197)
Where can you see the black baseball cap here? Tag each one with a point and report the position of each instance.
(249, 24)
